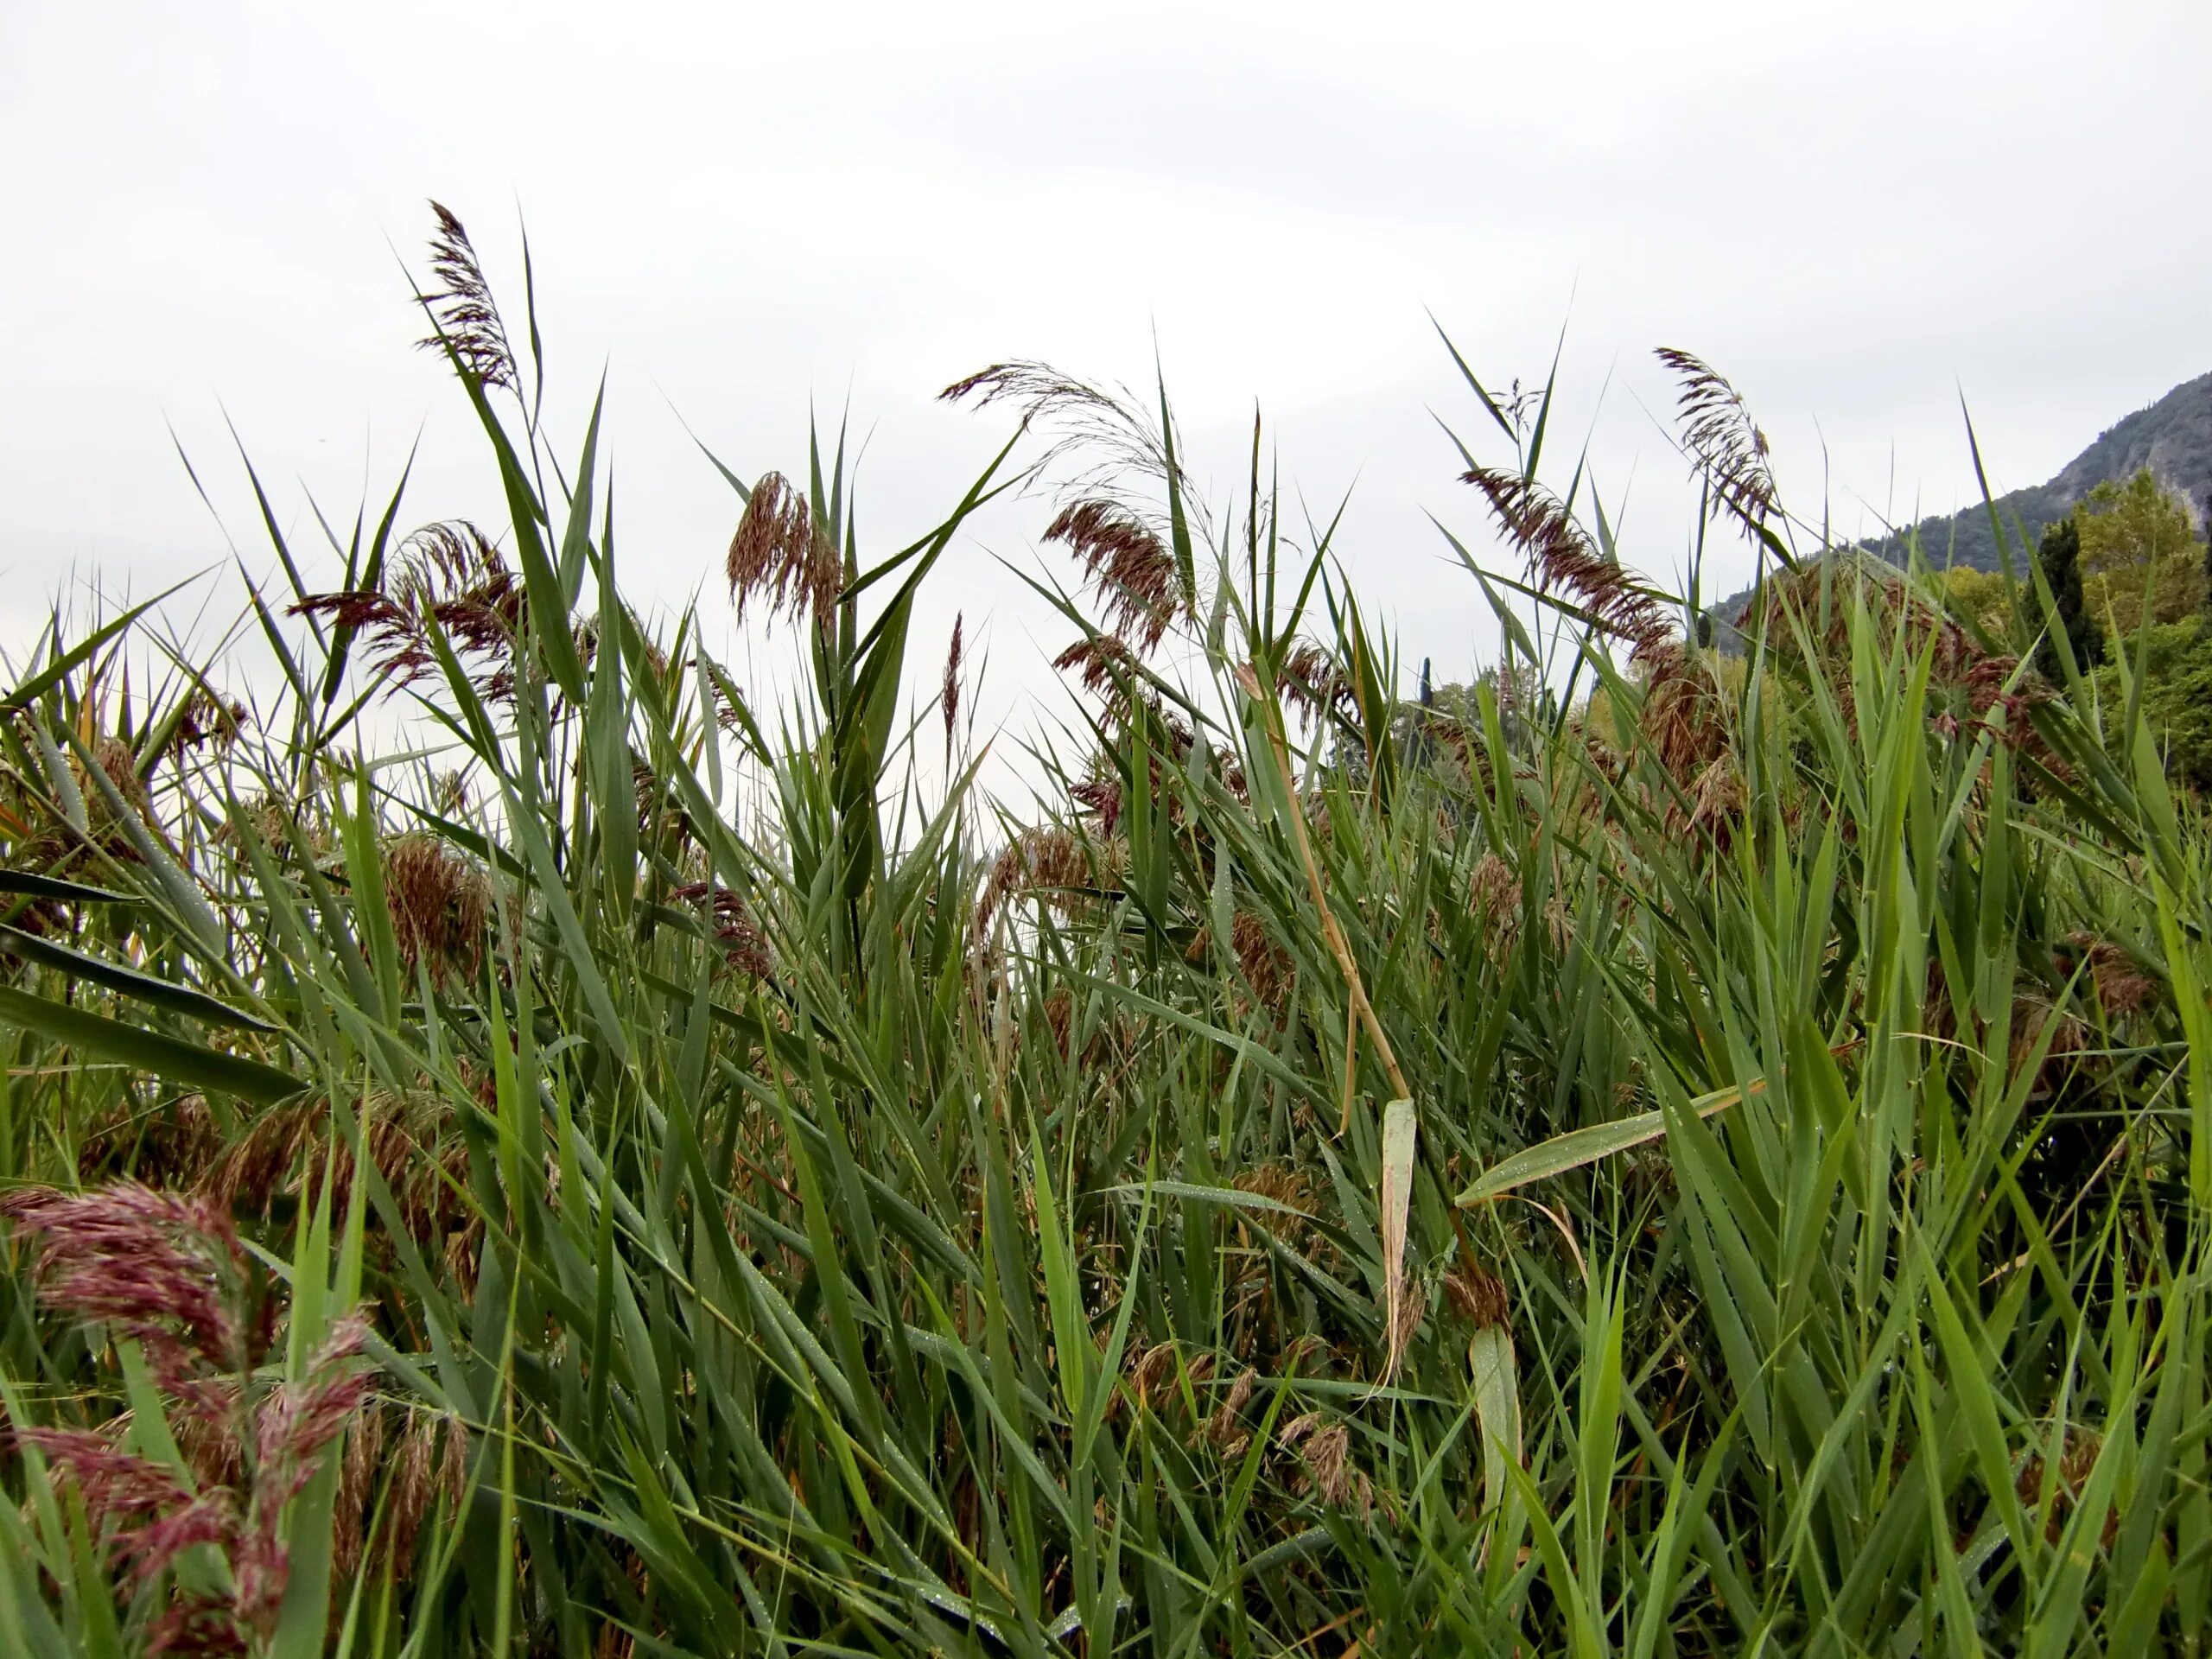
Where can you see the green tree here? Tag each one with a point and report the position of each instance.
(1984, 595)
(2140, 554)
(2175, 660)
(2060, 556)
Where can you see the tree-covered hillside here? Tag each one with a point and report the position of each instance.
(2172, 437)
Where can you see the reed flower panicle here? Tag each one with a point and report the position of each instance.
(949, 693)
(1127, 565)
(170, 1273)
(779, 557)
(1727, 445)
(440, 904)
(167, 1271)
(462, 309)
(450, 579)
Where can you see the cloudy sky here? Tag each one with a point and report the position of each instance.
(1862, 212)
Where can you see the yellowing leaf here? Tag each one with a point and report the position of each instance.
(1400, 1128)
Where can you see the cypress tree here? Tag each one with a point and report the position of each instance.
(2060, 556)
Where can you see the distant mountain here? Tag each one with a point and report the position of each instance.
(2172, 437)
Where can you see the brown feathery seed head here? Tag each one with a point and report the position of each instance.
(467, 316)
(453, 572)
(196, 1626)
(1559, 923)
(172, 1145)
(1052, 862)
(781, 556)
(286, 1151)
(429, 1467)
(985, 381)
(1494, 895)
(449, 791)
(440, 904)
(1106, 438)
(1680, 712)
(170, 1272)
(1152, 1368)
(463, 1255)
(1727, 445)
(1239, 1392)
(279, 824)
(359, 1462)
(2032, 1017)
(1413, 1308)
(298, 1420)
(453, 1466)
(2076, 1461)
(120, 767)
(1816, 602)
(1280, 1184)
(1060, 1018)
(1125, 563)
(1103, 797)
(166, 1269)
(1155, 1372)
(645, 792)
(1479, 1295)
(448, 579)
(1682, 717)
(1562, 558)
(116, 1485)
(1266, 965)
(1225, 1429)
(212, 1447)
(188, 1522)
(1104, 663)
(949, 695)
(206, 716)
(1718, 799)
(2121, 984)
(1312, 683)
(1327, 1453)
(744, 947)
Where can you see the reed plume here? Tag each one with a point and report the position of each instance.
(1127, 565)
(1560, 557)
(170, 1273)
(448, 579)
(1053, 863)
(949, 693)
(1313, 683)
(1680, 705)
(1100, 443)
(412, 1141)
(743, 945)
(780, 555)
(441, 907)
(1721, 437)
(462, 309)
(1105, 425)
(1103, 664)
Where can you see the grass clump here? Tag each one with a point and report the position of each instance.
(1347, 1174)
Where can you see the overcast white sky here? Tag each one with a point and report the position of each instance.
(1858, 211)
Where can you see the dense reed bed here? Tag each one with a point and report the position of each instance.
(1660, 1154)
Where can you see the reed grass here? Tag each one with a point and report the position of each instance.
(1715, 1159)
